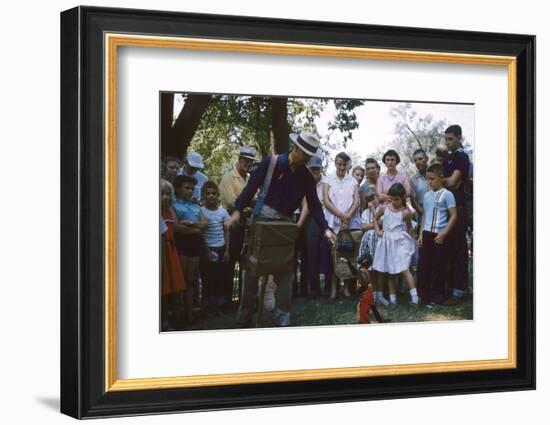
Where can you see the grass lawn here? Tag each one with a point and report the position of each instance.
(320, 311)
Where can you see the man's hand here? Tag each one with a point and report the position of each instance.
(440, 238)
(420, 240)
(230, 222)
(329, 235)
(208, 254)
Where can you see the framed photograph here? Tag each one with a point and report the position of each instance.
(261, 212)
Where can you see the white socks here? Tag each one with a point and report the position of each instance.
(269, 294)
(414, 296)
(379, 298)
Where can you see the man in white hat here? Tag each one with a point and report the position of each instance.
(290, 183)
(191, 166)
(231, 186)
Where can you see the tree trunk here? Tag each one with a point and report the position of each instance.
(166, 117)
(185, 126)
(415, 136)
(279, 124)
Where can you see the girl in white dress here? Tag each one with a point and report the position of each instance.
(370, 241)
(396, 247)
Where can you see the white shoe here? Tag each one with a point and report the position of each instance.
(269, 296)
(282, 318)
(382, 301)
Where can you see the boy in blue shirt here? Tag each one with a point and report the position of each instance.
(437, 222)
(189, 225)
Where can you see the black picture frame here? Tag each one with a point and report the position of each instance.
(83, 392)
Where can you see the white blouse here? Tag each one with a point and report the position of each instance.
(340, 193)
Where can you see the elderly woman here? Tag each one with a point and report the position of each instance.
(392, 176)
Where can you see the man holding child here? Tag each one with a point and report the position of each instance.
(456, 167)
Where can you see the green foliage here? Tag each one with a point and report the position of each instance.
(345, 120)
(302, 113)
(234, 121)
(412, 132)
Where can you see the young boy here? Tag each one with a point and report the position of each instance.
(189, 227)
(214, 263)
(437, 222)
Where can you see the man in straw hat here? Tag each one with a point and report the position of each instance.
(234, 181)
(290, 182)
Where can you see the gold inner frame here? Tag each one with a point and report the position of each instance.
(113, 41)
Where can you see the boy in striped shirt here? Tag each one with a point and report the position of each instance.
(437, 222)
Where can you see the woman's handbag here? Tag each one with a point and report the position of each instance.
(347, 247)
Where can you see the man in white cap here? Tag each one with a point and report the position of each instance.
(231, 186)
(291, 181)
(191, 166)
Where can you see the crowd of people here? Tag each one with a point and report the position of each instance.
(412, 229)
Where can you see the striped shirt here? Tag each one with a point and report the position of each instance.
(436, 209)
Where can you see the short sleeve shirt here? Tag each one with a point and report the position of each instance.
(419, 187)
(341, 192)
(231, 186)
(458, 160)
(187, 210)
(436, 210)
(214, 234)
(367, 217)
(365, 185)
(386, 182)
